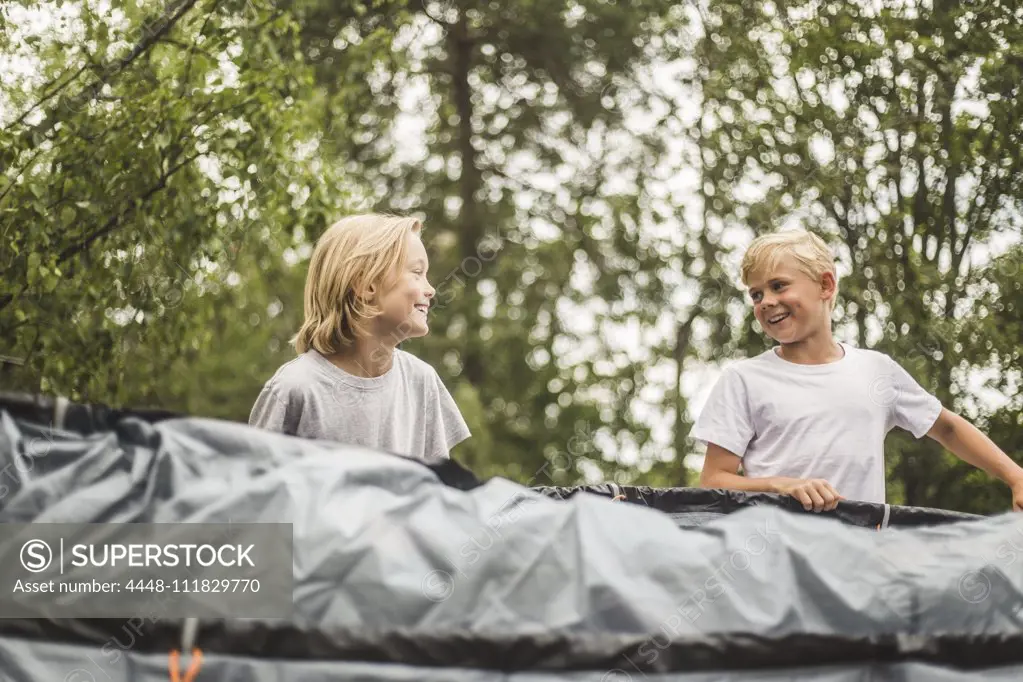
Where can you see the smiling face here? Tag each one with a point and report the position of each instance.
(405, 300)
(789, 304)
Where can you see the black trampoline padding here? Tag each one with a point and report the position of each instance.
(710, 504)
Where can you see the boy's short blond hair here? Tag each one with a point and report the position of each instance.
(811, 254)
(354, 253)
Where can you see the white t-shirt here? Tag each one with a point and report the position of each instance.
(816, 421)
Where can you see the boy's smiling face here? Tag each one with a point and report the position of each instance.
(788, 303)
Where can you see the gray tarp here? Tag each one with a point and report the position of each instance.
(383, 547)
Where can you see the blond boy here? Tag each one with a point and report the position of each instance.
(808, 418)
(366, 291)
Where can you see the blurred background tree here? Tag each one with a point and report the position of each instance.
(588, 172)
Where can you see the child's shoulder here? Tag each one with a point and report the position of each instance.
(869, 356)
(293, 375)
(414, 366)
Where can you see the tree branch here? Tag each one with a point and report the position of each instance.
(46, 97)
(116, 221)
(19, 172)
(194, 47)
(992, 183)
(110, 225)
(158, 30)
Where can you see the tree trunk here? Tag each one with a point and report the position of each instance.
(462, 48)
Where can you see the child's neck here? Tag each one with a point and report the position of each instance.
(367, 358)
(818, 349)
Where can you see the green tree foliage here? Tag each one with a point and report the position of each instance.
(148, 155)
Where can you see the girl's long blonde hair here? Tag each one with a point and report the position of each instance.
(353, 254)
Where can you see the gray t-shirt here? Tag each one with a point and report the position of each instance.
(407, 411)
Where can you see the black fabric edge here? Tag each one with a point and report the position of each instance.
(138, 426)
(722, 501)
(551, 651)
(83, 418)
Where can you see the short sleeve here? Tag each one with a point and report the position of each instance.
(912, 408)
(725, 419)
(276, 410)
(448, 428)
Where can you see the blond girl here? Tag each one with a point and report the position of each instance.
(366, 291)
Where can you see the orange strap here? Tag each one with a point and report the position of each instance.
(193, 667)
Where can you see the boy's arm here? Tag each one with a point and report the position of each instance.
(721, 470)
(966, 442)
